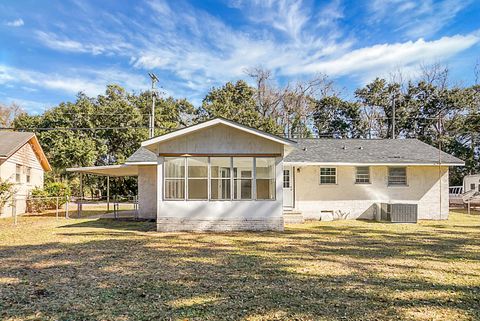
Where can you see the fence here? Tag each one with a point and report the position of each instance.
(71, 207)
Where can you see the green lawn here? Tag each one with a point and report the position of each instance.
(84, 269)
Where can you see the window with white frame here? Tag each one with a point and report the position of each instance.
(362, 175)
(28, 174)
(265, 178)
(197, 176)
(219, 178)
(18, 173)
(472, 186)
(328, 175)
(242, 178)
(397, 176)
(174, 172)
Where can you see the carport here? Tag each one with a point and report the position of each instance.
(107, 171)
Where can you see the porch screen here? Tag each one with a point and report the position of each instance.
(265, 178)
(221, 178)
(197, 178)
(174, 177)
(242, 178)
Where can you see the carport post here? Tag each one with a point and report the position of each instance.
(108, 194)
(79, 203)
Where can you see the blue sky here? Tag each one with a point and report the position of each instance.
(51, 50)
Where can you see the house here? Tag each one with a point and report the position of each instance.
(23, 163)
(220, 175)
(471, 183)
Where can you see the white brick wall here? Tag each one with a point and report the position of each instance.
(172, 224)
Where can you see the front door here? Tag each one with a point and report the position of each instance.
(288, 187)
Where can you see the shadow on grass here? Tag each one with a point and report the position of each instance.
(107, 269)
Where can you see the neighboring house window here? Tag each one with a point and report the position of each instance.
(174, 177)
(397, 176)
(18, 173)
(328, 175)
(286, 178)
(228, 177)
(362, 175)
(265, 178)
(28, 173)
(221, 178)
(242, 178)
(197, 178)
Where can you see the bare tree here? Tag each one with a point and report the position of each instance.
(8, 113)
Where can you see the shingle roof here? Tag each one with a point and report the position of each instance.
(368, 151)
(142, 155)
(10, 142)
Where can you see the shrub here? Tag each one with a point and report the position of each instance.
(6, 192)
(45, 198)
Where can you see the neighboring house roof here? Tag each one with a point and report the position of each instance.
(142, 155)
(11, 142)
(213, 122)
(368, 151)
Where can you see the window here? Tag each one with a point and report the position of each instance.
(174, 177)
(28, 172)
(18, 173)
(362, 175)
(286, 178)
(221, 178)
(197, 178)
(472, 186)
(328, 175)
(242, 178)
(397, 176)
(265, 178)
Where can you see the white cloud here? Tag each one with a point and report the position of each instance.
(15, 23)
(387, 57)
(416, 18)
(90, 81)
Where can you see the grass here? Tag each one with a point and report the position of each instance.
(85, 269)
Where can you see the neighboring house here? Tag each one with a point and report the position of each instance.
(220, 175)
(471, 183)
(23, 163)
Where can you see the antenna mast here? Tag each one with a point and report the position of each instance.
(154, 95)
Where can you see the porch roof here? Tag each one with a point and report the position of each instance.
(109, 170)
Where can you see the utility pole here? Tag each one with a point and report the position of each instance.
(393, 117)
(152, 115)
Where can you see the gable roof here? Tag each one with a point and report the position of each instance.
(213, 122)
(369, 151)
(11, 142)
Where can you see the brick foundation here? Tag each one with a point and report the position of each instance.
(171, 224)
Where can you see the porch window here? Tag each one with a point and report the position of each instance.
(174, 178)
(197, 178)
(221, 178)
(362, 175)
(397, 176)
(18, 173)
(265, 178)
(242, 178)
(328, 175)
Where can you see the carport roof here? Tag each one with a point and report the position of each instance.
(109, 170)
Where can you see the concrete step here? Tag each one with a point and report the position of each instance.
(293, 217)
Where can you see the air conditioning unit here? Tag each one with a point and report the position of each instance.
(399, 213)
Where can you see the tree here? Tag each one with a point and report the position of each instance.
(8, 113)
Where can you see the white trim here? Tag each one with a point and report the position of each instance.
(140, 163)
(333, 164)
(213, 122)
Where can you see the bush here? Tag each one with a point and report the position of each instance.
(42, 199)
(6, 192)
